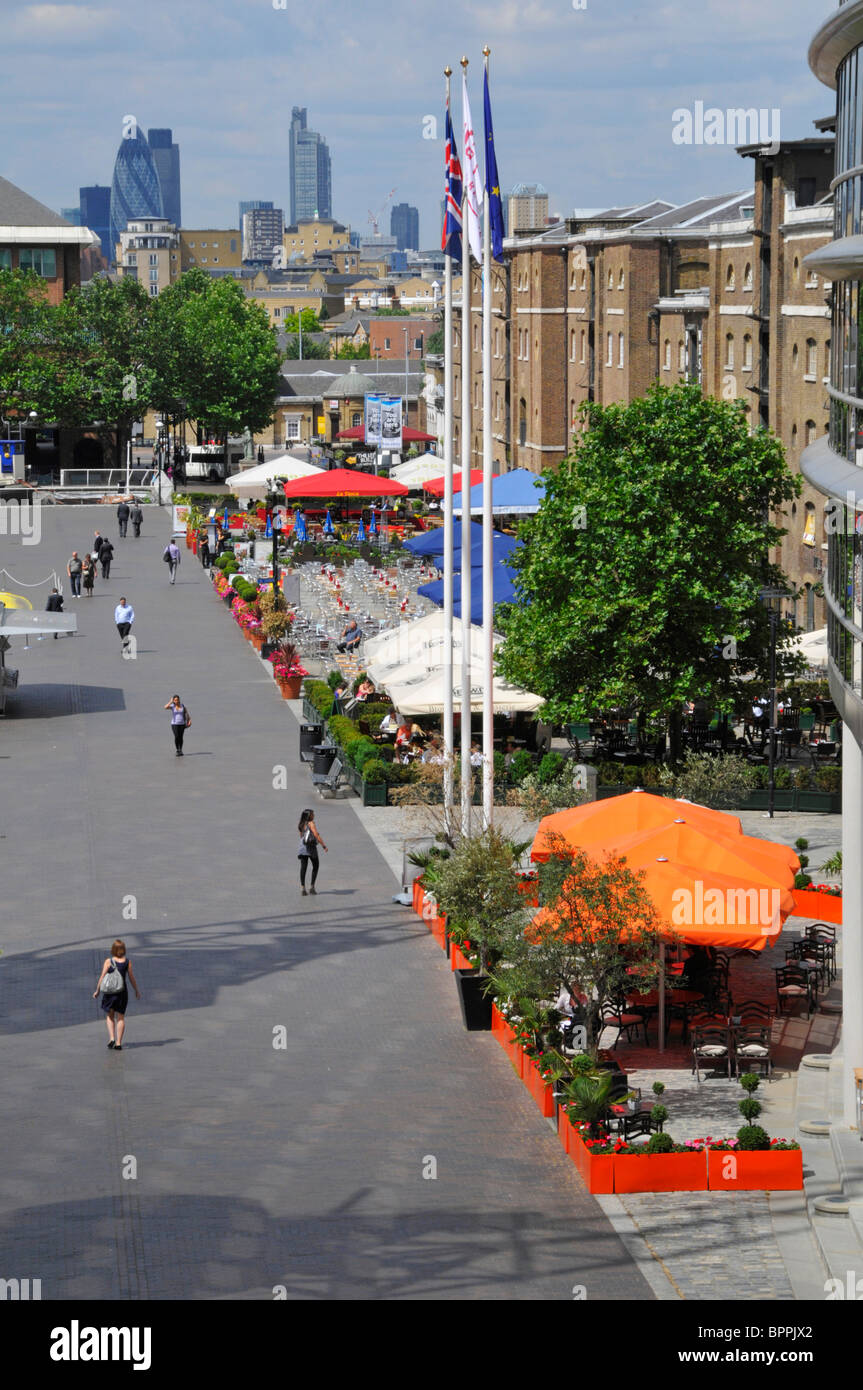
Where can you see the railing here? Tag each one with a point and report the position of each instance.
(109, 479)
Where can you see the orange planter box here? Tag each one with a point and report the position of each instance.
(437, 927)
(539, 1089)
(660, 1172)
(597, 1170)
(824, 907)
(506, 1036)
(457, 959)
(775, 1170)
(418, 895)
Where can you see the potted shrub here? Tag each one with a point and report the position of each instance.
(753, 1161)
(288, 670)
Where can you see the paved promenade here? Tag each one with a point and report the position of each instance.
(256, 1166)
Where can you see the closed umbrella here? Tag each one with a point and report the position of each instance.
(329, 528)
(373, 524)
(299, 527)
(361, 532)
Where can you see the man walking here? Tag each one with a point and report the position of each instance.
(73, 569)
(54, 605)
(106, 555)
(124, 616)
(123, 518)
(171, 556)
(136, 516)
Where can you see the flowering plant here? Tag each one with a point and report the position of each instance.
(286, 663)
(831, 889)
(730, 1144)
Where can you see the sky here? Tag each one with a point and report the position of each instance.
(583, 99)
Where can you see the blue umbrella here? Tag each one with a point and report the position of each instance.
(373, 525)
(329, 528)
(225, 519)
(519, 492)
(431, 542)
(300, 527)
(361, 533)
(269, 531)
(503, 591)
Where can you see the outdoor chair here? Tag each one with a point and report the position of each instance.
(707, 1018)
(824, 753)
(793, 984)
(753, 1048)
(328, 780)
(613, 1016)
(754, 1013)
(710, 1047)
(630, 1126)
(810, 954)
(825, 935)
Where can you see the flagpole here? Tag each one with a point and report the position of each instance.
(448, 557)
(487, 537)
(466, 769)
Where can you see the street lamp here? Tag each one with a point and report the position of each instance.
(276, 523)
(770, 596)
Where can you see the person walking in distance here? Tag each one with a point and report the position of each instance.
(181, 720)
(171, 556)
(54, 605)
(124, 616)
(113, 987)
(106, 555)
(88, 575)
(308, 851)
(73, 569)
(136, 516)
(123, 518)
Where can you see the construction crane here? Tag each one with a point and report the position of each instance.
(374, 218)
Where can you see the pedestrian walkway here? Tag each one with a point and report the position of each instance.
(297, 1104)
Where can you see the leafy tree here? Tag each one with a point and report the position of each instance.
(392, 313)
(311, 349)
(353, 352)
(477, 887)
(644, 563)
(435, 344)
(25, 328)
(311, 322)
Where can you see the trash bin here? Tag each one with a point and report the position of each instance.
(324, 757)
(309, 736)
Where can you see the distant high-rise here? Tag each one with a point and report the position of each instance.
(135, 188)
(253, 205)
(527, 208)
(311, 176)
(263, 232)
(72, 215)
(405, 227)
(166, 157)
(95, 206)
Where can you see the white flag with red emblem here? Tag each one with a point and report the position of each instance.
(472, 180)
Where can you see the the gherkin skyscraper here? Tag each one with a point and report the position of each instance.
(135, 188)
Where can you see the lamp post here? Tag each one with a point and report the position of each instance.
(159, 424)
(770, 596)
(276, 521)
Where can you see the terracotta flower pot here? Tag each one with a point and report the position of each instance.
(660, 1172)
(291, 687)
(597, 1170)
(770, 1170)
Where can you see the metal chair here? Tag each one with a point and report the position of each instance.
(709, 1047)
(612, 1015)
(793, 983)
(753, 1048)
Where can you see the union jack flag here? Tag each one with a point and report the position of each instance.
(451, 234)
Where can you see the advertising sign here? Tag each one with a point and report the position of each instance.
(391, 423)
(373, 419)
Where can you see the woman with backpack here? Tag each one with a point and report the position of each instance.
(309, 841)
(113, 987)
(180, 721)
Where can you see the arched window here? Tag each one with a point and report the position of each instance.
(497, 405)
(620, 349)
(747, 352)
(793, 436)
(583, 344)
(572, 345)
(522, 421)
(795, 357)
(583, 284)
(729, 278)
(666, 356)
(796, 271)
(681, 356)
(621, 280)
(747, 276)
(610, 345)
(827, 358)
(497, 342)
(611, 279)
(811, 357)
(811, 432)
(729, 349)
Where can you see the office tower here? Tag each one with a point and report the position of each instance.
(405, 227)
(166, 157)
(252, 205)
(263, 233)
(72, 215)
(95, 204)
(135, 188)
(527, 208)
(311, 176)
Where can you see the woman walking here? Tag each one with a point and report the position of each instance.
(88, 575)
(114, 990)
(181, 720)
(309, 841)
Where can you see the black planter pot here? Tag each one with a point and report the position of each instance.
(267, 648)
(475, 1005)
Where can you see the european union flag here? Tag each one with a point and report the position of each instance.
(492, 183)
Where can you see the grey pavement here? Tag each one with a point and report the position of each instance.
(256, 1165)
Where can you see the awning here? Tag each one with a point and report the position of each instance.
(426, 696)
(343, 482)
(518, 493)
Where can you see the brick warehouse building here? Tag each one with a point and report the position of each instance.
(602, 305)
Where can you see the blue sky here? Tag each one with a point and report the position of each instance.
(582, 99)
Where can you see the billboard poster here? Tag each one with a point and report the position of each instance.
(391, 423)
(373, 419)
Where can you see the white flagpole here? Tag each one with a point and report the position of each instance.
(466, 769)
(487, 534)
(449, 750)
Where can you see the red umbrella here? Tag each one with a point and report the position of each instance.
(409, 436)
(437, 485)
(343, 482)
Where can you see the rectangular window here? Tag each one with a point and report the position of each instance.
(387, 348)
(154, 273)
(233, 246)
(41, 260)
(131, 258)
(356, 419)
(5, 258)
(620, 349)
(154, 290)
(154, 258)
(277, 313)
(609, 360)
(292, 427)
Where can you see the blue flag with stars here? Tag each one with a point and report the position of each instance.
(492, 183)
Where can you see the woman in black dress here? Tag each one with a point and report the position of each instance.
(88, 575)
(116, 1003)
(309, 841)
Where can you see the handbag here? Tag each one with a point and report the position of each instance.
(113, 982)
(188, 718)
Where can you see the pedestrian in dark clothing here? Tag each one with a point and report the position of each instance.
(123, 517)
(308, 851)
(136, 516)
(116, 971)
(54, 605)
(98, 542)
(88, 575)
(106, 555)
(181, 720)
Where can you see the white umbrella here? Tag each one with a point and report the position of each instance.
(417, 648)
(425, 696)
(255, 482)
(415, 472)
(812, 645)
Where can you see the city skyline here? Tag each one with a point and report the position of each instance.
(551, 77)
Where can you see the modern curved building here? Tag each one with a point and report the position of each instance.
(834, 465)
(135, 188)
